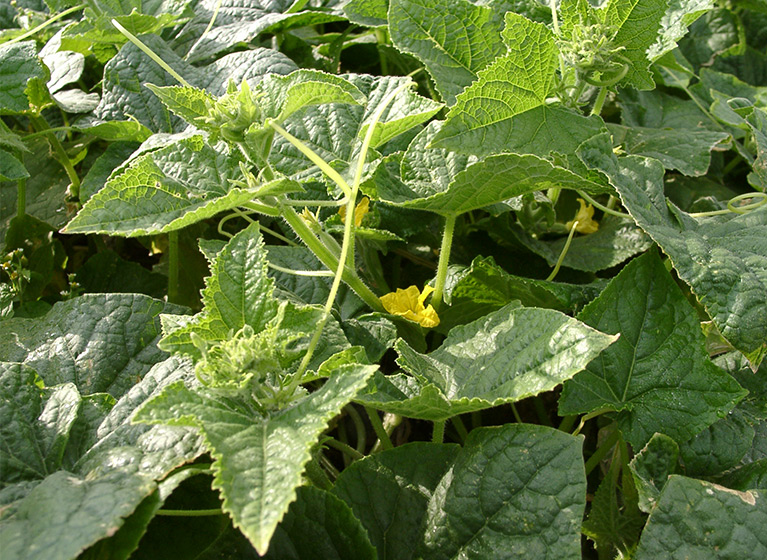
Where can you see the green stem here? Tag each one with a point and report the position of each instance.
(189, 512)
(41, 125)
(173, 266)
(21, 198)
(561, 258)
(359, 427)
(438, 436)
(460, 428)
(328, 258)
(383, 437)
(444, 260)
(540, 410)
(151, 54)
(45, 24)
(515, 412)
(602, 451)
(602, 207)
(343, 448)
(567, 423)
(382, 40)
(600, 101)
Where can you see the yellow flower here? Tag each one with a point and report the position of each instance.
(583, 217)
(409, 304)
(359, 211)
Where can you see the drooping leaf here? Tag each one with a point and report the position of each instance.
(695, 518)
(319, 525)
(100, 342)
(11, 169)
(390, 491)
(514, 491)
(657, 376)
(505, 356)
(734, 292)
(258, 460)
(454, 39)
(674, 23)
(719, 447)
(371, 13)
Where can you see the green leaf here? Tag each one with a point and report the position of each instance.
(188, 102)
(751, 476)
(503, 357)
(38, 422)
(719, 447)
(515, 491)
(390, 491)
(651, 468)
(638, 23)
(334, 131)
(486, 287)
(115, 154)
(718, 33)
(319, 525)
(111, 465)
(241, 21)
(370, 13)
(688, 151)
(258, 460)
(20, 64)
(695, 519)
(657, 376)
(616, 240)
(164, 190)
(734, 292)
(11, 169)
(454, 39)
(674, 23)
(237, 293)
(100, 342)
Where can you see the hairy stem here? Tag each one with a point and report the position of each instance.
(444, 260)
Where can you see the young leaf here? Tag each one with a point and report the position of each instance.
(237, 293)
(514, 491)
(503, 357)
(258, 460)
(695, 518)
(735, 291)
(657, 376)
(455, 39)
(390, 491)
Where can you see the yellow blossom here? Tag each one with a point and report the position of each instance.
(584, 219)
(409, 304)
(359, 211)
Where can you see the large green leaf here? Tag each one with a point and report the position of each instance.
(503, 357)
(97, 468)
(722, 258)
(696, 519)
(258, 460)
(164, 190)
(515, 491)
(454, 39)
(390, 491)
(450, 183)
(99, 342)
(319, 525)
(674, 23)
(20, 64)
(657, 376)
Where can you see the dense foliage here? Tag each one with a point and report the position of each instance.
(383, 279)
